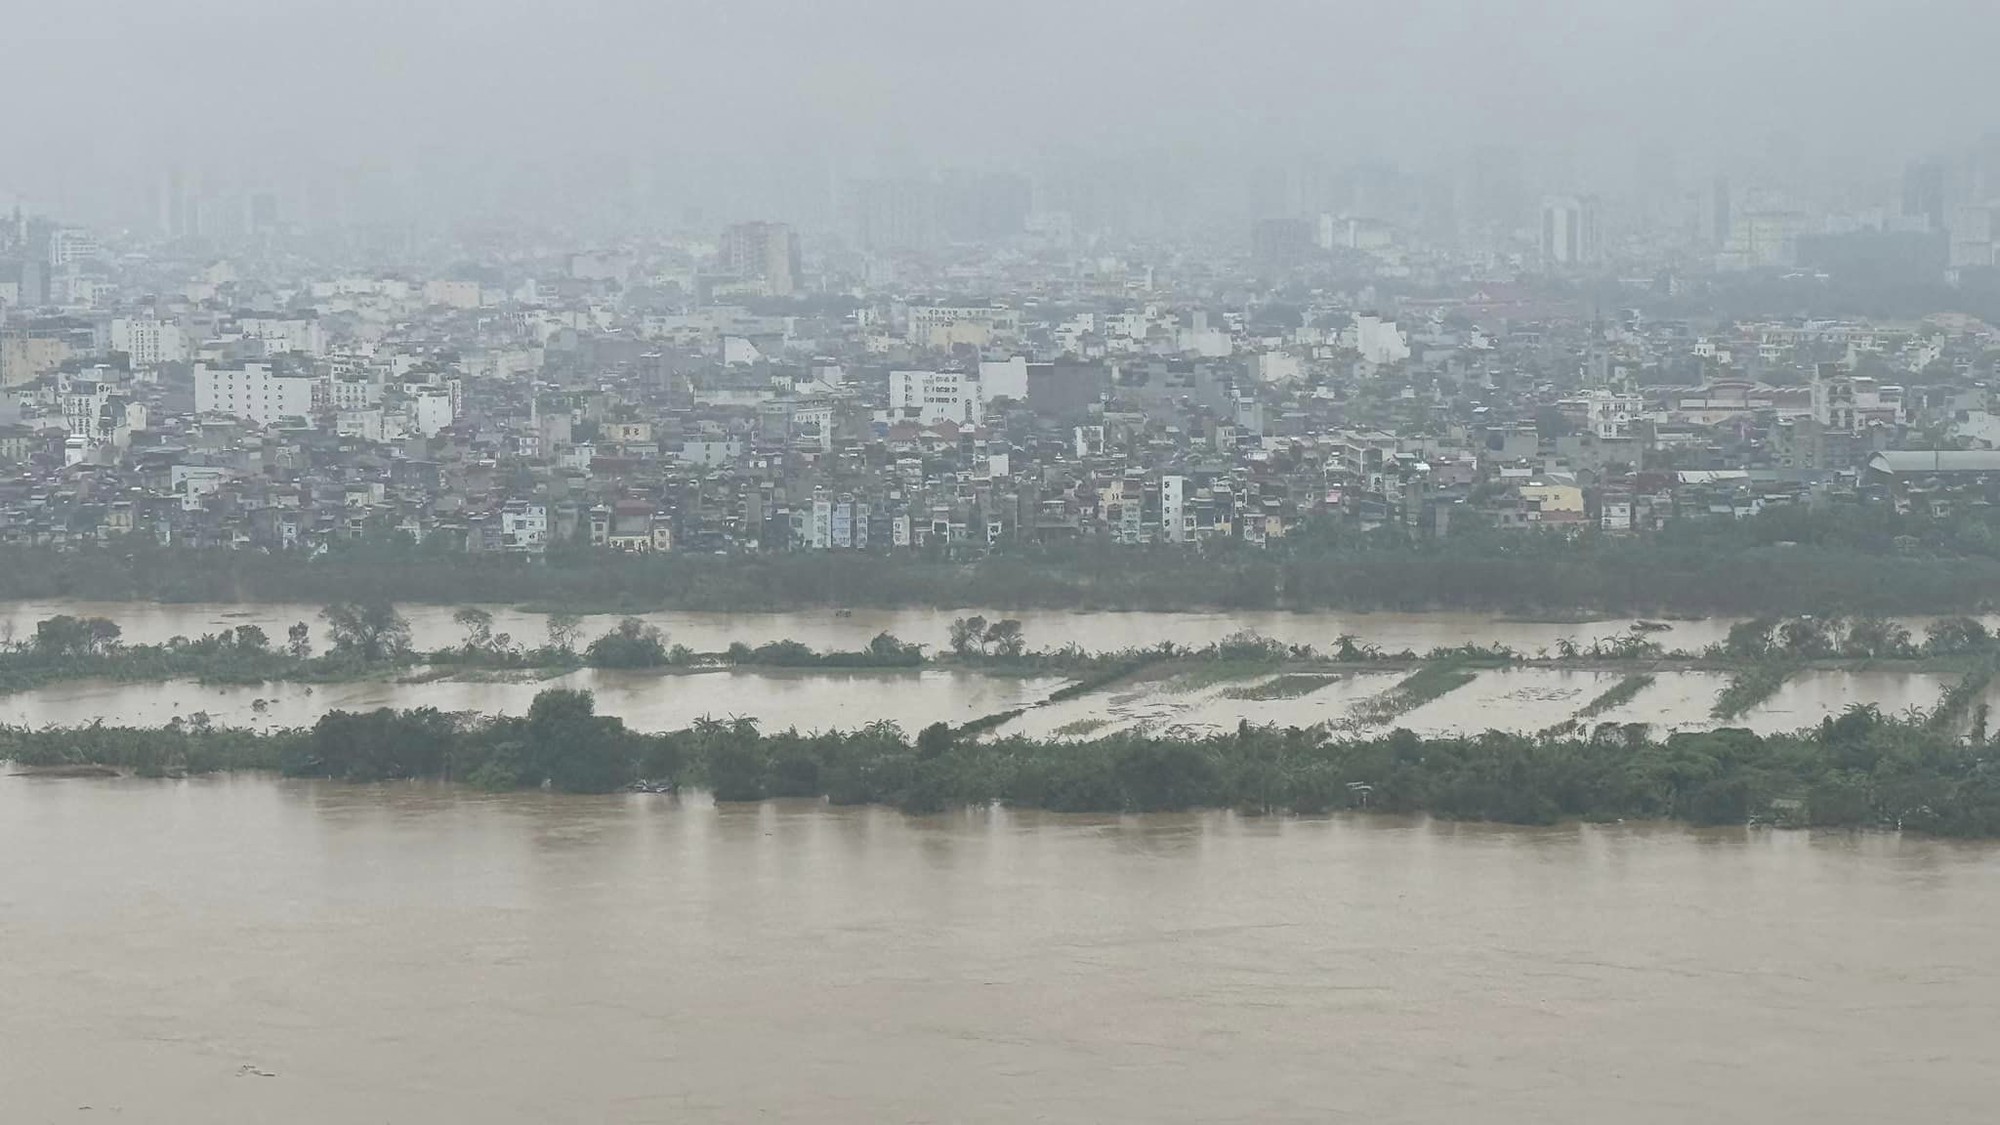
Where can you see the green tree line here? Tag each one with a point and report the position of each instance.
(1863, 558)
(1860, 769)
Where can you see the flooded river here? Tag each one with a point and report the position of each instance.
(431, 627)
(1525, 699)
(239, 950)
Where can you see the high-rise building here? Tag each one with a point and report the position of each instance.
(1282, 243)
(148, 341)
(1972, 230)
(1715, 212)
(896, 214)
(1496, 192)
(69, 245)
(766, 252)
(263, 213)
(1569, 230)
(252, 391)
(983, 206)
(1923, 193)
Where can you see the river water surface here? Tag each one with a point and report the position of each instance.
(250, 950)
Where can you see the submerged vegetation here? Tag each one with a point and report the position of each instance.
(1751, 686)
(1617, 695)
(1432, 681)
(1293, 685)
(1860, 769)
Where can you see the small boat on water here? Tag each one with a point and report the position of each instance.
(645, 786)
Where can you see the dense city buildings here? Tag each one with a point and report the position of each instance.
(973, 361)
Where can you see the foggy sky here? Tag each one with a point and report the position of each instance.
(722, 97)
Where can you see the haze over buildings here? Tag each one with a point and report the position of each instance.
(239, 114)
(745, 279)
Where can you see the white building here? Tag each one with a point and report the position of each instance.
(1176, 521)
(1569, 230)
(1379, 341)
(430, 411)
(71, 245)
(1277, 367)
(711, 450)
(1089, 441)
(192, 482)
(943, 326)
(1610, 416)
(836, 524)
(930, 397)
(252, 392)
(282, 334)
(524, 526)
(354, 392)
(452, 294)
(365, 425)
(83, 404)
(815, 422)
(1004, 379)
(148, 341)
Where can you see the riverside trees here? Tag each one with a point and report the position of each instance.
(1860, 769)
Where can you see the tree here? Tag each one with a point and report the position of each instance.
(633, 644)
(370, 630)
(1956, 636)
(1005, 636)
(571, 746)
(934, 741)
(563, 631)
(60, 636)
(298, 641)
(478, 626)
(1874, 636)
(886, 649)
(1750, 640)
(64, 635)
(967, 632)
(252, 639)
(1809, 637)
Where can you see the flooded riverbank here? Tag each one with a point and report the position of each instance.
(431, 626)
(1521, 699)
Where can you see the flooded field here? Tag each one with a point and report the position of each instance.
(646, 700)
(1515, 699)
(1511, 699)
(431, 626)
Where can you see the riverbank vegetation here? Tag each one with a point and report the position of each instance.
(371, 641)
(1617, 695)
(1788, 560)
(1862, 769)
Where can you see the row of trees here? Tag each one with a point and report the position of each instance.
(975, 634)
(1823, 637)
(1867, 558)
(1861, 769)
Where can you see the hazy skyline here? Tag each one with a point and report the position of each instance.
(714, 101)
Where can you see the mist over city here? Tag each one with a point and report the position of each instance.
(891, 561)
(619, 116)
